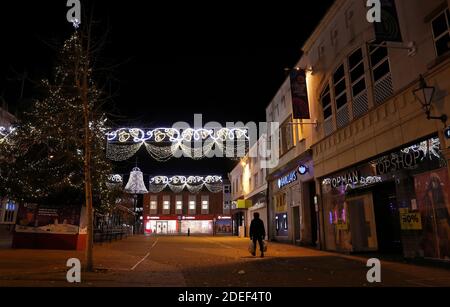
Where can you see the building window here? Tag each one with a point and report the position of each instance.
(379, 62)
(153, 205)
(340, 97)
(441, 32)
(166, 205)
(205, 204)
(381, 73)
(360, 102)
(356, 68)
(325, 99)
(9, 212)
(179, 207)
(286, 137)
(192, 204)
(340, 90)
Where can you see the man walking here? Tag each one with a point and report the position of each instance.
(257, 233)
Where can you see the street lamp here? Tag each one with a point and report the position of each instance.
(425, 96)
(136, 186)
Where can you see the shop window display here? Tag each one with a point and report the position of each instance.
(396, 203)
(432, 192)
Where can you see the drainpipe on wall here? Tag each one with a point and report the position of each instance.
(321, 218)
(269, 213)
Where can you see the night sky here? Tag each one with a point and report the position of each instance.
(219, 58)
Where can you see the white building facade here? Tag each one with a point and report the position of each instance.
(381, 167)
(249, 189)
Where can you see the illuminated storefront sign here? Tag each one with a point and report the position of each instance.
(224, 217)
(243, 204)
(447, 133)
(303, 169)
(351, 180)
(379, 170)
(288, 179)
(409, 157)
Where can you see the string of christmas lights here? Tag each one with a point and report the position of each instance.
(194, 184)
(163, 144)
(172, 135)
(4, 133)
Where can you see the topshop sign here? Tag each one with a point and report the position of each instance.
(374, 172)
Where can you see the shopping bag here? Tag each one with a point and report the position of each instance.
(251, 247)
(265, 246)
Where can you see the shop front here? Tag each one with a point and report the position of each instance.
(224, 225)
(284, 190)
(162, 225)
(197, 224)
(292, 209)
(395, 203)
(182, 224)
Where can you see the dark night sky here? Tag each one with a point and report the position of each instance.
(219, 58)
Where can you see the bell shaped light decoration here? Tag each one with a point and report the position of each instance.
(136, 184)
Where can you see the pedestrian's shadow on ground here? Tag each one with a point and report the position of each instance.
(255, 257)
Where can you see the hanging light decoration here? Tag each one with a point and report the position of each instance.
(194, 184)
(163, 144)
(135, 183)
(4, 133)
(136, 186)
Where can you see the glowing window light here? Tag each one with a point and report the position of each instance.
(192, 205)
(153, 205)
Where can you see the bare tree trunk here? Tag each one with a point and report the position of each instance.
(85, 73)
(87, 176)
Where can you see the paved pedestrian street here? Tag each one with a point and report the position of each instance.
(198, 261)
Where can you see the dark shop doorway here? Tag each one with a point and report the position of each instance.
(387, 218)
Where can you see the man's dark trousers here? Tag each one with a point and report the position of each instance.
(260, 241)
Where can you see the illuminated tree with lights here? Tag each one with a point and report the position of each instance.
(57, 151)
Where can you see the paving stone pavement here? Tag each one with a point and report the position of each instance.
(197, 261)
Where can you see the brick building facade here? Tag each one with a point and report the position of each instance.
(173, 213)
